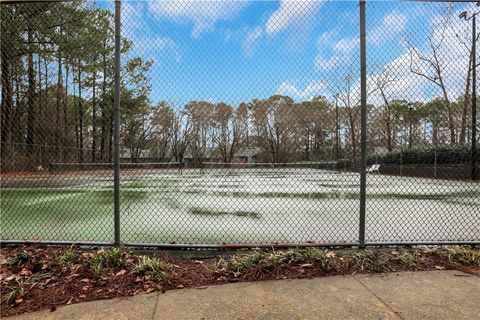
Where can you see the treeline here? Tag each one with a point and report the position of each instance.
(57, 83)
(283, 130)
(57, 105)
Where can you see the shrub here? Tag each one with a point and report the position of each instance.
(156, 268)
(446, 155)
(110, 258)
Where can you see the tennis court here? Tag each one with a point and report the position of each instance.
(236, 205)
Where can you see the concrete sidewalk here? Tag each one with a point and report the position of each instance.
(417, 295)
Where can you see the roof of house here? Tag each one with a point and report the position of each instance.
(211, 153)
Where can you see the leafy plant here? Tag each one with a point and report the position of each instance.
(463, 255)
(13, 293)
(367, 260)
(407, 259)
(19, 259)
(258, 259)
(69, 256)
(110, 258)
(154, 267)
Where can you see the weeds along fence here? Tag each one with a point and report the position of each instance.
(239, 123)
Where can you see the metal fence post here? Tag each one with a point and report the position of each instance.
(116, 155)
(363, 138)
(474, 98)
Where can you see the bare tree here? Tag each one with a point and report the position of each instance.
(430, 66)
(385, 79)
(163, 122)
(182, 135)
(227, 130)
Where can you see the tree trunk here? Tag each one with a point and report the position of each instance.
(104, 115)
(65, 113)
(80, 116)
(29, 139)
(57, 130)
(39, 96)
(307, 145)
(466, 102)
(451, 125)
(7, 102)
(17, 131)
(110, 141)
(94, 120)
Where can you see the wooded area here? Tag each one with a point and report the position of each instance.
(57, 103)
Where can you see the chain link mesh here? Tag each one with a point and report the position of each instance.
(240, 122)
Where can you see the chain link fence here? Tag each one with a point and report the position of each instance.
(240, 123)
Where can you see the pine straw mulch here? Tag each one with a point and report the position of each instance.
(37, 277)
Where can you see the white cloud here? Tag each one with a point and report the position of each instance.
(323, 63)
(333, 54)
(400, 82)
(151, 46)
(341, 52)
(325, 40)
(168, 44)
(310, 91)
(252, 38)
(291, 12)
(297, 16)
(391, 26)
(203, 14)
(346, 45)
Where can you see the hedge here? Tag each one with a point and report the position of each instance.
(451, 155)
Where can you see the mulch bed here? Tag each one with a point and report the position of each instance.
(40, 285)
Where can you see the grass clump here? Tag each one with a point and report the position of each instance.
(19, 259)
(409, 260)
(243, 262)
(272, 260)
(463, 255)
(68, 257)
(110, 258)
(367, 260)
(158, 269)
(13, 292)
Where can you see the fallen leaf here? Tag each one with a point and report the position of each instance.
(330, 254)
(10, 278)
(121, 272)
(25, 272)
(439, 267)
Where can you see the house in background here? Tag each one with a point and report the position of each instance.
(213, 155)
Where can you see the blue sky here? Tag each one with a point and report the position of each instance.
(236, 51)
